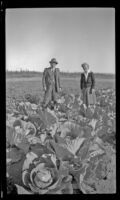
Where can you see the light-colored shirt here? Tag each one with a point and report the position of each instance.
(86, 74)
(53, 75)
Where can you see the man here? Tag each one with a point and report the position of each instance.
(51, 83)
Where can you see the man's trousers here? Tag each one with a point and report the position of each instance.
(50, 95)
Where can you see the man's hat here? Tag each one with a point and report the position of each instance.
(53, 60)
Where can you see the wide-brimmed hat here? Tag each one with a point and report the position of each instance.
(53, 60)
(85, 64)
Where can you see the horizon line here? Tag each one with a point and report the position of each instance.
(30, 71)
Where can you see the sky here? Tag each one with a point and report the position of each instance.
(71, 35)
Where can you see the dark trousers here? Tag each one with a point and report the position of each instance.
(50, 95)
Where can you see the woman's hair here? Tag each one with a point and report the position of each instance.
(84, 65)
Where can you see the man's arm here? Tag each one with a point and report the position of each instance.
(43, 79)
(59, 78)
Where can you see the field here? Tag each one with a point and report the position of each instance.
(68, 150)
(33, 85)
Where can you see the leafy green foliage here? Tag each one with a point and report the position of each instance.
(68, 150)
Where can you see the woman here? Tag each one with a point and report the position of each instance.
(87, 84)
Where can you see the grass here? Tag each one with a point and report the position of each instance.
(29, 74)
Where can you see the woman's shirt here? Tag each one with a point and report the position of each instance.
(86, 74)
(88, 81)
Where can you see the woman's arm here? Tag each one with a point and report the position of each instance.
(93, 80)
(93, 83)
(81, 82)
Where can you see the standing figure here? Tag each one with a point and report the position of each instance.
(87, 85)
(51, 83)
